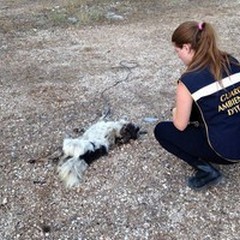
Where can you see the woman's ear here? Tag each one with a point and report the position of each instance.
(187, 47)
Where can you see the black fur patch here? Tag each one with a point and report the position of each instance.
(91, 156)
(128, 132)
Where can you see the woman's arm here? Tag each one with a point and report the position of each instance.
(182, 111)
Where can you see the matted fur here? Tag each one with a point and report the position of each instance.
(79, 153)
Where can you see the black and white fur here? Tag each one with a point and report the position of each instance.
(79, 153)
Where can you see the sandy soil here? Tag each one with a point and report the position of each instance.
(55, 80)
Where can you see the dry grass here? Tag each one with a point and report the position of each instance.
(45, 14)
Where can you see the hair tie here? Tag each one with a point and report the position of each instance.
(200, 26)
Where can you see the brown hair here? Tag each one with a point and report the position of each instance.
(202, 38)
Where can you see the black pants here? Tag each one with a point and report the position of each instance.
(190, 145)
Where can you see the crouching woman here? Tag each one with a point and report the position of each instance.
(206, 119)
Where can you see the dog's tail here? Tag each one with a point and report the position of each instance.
(71, 172)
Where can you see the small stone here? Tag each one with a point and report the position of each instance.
(72, 20)
(114, 16)
(5, 201)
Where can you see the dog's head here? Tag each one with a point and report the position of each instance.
(128, 131)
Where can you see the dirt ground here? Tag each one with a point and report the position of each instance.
(55, 79)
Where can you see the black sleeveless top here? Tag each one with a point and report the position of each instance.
(218, 107)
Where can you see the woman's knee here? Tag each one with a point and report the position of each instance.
(161, 130)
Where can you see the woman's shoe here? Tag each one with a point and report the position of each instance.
(206, 176)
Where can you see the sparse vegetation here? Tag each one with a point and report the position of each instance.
(66, 13)
(60, 14)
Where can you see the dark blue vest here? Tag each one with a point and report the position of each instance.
(220, 108)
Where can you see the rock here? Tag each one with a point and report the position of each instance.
(72, 20)
(114, 16)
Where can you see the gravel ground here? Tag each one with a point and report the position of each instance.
(51, 82)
